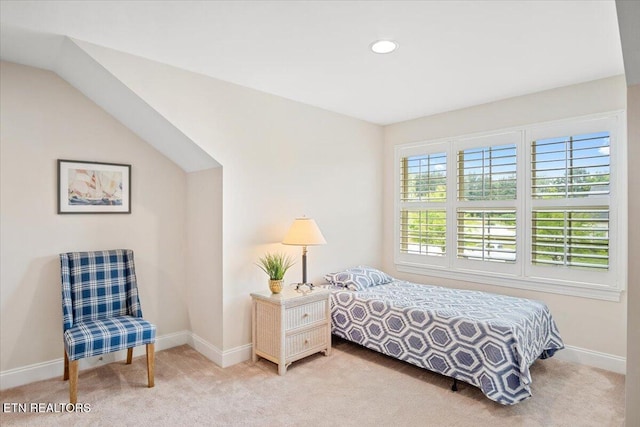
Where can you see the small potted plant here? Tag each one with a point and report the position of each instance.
(275, 265)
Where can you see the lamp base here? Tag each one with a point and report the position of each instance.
(299, 285)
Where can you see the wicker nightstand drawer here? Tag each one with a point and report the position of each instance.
(310, 340)
(290, 325)
(305, 314)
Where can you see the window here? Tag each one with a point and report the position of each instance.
(535, 207)
(423, 232)
(571, 238)
(423, 195)
(571, 166)
(487, 235)
(564, 170)
(486, 173)
(424, 178)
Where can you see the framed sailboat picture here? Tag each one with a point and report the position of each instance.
(93, 187)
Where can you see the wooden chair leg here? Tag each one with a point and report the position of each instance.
(150, 363)
(73, 381)
(129, 355)
(66, 366)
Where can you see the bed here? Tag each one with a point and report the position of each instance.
(483, 339)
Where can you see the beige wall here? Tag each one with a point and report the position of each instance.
(44, 119)
(281, 159)
(586, 323)
(633, 319)
(204, 254)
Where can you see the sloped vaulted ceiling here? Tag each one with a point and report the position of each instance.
(69, 60)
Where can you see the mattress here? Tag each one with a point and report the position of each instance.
(483, 339)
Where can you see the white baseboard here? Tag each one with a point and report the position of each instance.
(54, 368)
(45, 370)
(221, 358)
(236, 355)
(207, 349)
(596, 359)
(31, 373)
(582, 356)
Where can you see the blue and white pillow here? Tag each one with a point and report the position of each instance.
(358, 278)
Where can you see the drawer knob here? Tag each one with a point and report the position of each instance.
(305, 315)
(306, 342)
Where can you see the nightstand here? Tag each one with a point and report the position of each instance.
(290, 325)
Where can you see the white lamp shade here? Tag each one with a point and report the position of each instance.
(304, 232)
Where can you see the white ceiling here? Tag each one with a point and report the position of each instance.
(452, 54)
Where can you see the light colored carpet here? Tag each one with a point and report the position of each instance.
(352, 387)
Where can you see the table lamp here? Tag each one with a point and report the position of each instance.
(304, 232)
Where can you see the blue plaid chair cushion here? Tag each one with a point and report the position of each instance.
(94, 337)
(100, 304)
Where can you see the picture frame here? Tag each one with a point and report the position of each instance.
(86, 187)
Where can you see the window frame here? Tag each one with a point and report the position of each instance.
(478, 141)
(577, 128)
(440, 261)
(523, 274)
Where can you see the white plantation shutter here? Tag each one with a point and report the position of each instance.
(539, 207)
(424, 178)
(423, 231)
(571, 176)
(571, 238)
(487, 235)
(487, 173)
(422, 220)
(486, 209)
(570, 166)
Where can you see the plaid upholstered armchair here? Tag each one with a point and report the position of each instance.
(101, 310)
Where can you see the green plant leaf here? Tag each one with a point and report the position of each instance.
(275, 265)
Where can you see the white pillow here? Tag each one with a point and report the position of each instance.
(358, 278)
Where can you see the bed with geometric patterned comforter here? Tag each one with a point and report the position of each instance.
(483, 339)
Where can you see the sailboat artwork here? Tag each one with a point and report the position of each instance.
(93, 187)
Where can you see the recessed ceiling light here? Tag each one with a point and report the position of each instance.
(384, 46)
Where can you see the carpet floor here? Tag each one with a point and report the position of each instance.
(352, 387)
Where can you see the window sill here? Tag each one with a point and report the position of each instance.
(584, 290)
